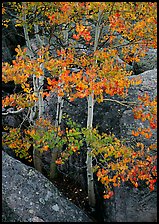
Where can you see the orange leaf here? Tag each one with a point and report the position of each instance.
(136, 184)
(45, 148)
(148, 135)
(59, 161)
(135, 133)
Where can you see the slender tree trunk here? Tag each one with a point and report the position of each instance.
(39, 105)
(90, 181)
(40, 79)
(60, 102)
(40, 97)
(38, 108)
(54, 152)
(30, 52)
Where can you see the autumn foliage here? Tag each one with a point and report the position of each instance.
(127, 29)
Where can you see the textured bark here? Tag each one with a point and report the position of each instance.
(90, 181)
(37, 160)
(53, 166)
(40, 97)
(60, 102)
(41, 78)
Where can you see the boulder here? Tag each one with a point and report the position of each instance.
(27, 196)
(148, 62)
(127, 121)
(131, 204)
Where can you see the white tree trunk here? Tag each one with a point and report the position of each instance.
(39, 105)
(58, 119)
(40, 80)
(60, 100)
(90, 181)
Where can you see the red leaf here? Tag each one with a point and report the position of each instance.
(76, 37)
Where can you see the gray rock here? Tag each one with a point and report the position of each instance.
(27, 196)
(149, 84)
(9, 151)
(11, 120)
(127, 121)
(148, 62)
(132, 205)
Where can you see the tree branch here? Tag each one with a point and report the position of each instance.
(123, 103)
(13, 112)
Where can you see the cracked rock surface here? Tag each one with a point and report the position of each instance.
(28, 196)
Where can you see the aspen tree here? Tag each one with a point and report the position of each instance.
(90, 182)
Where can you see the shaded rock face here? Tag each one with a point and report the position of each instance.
(132, 205)
(106, 115)
(127, 124)
(11, 37)
(27, 196)
(127, 121)
(148, 62)
(11, 120)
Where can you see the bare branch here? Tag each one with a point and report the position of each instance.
(123, 103)
(27, 116)
(13, 112)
